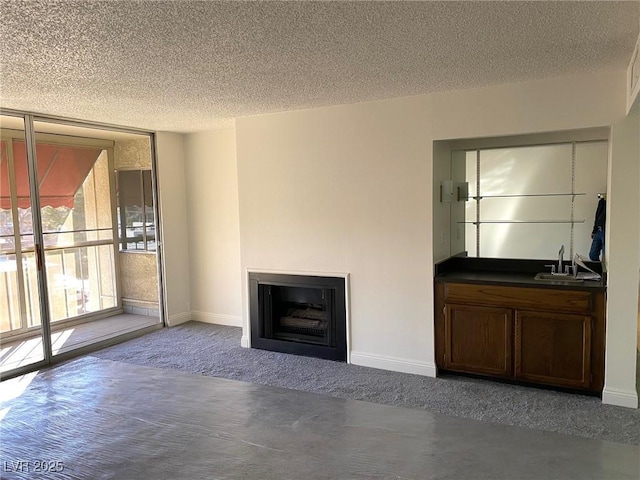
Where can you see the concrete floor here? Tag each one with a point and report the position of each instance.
(104, 419)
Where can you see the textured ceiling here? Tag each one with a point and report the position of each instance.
(188, 66)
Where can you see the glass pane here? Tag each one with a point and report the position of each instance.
(98, 213)
(523, 240)
(104, 235)
(7, 242)
(10, 300)
(591, 179)
(591, 167)
(470, 240)
(470, 211)
(102, 277)
(26, 243)
(136, 218)
(131, 209)
(30, 272)
(526, 170)
(81, 280)
(76, 209)
(64, 285)
(148, 192)
(150, 229)
(525, 209)
(20, 332)
(18, 153)
(472, 172)
(73, 205)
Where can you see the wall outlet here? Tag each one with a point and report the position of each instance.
(442, 238)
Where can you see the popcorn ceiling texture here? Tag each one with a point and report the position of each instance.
(188, 66)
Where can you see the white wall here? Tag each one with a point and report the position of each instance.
(623, 262)
(538, 106)
(173, 215)
(214, 231)
(347, 189)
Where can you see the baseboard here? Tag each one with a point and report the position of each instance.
(620, 398)
(179, 318)
(217, 318)
(393, 364)
(244, 342)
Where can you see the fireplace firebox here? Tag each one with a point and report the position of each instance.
(303, 315)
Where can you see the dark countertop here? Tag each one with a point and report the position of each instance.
(508, 272)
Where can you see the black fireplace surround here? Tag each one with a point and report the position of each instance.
(303, 315)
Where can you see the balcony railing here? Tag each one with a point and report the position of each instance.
(80, 279)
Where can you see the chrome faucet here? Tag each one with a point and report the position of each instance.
(560, 255)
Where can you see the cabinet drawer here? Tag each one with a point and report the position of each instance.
(571, 301)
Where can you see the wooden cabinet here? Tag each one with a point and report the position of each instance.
(535, 335)
(478, 339)
(553, 348)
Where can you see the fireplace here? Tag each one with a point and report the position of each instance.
(303, 315)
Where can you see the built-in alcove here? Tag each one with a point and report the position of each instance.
(299, 314)
(504, 208)
(519, 196)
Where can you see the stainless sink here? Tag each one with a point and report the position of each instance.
(557, 278)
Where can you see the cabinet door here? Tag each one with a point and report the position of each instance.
(478, 339)
(553, 348)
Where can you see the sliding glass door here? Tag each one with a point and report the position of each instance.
(75, 185)
(68, 282)
(75, 207)
(21, 328)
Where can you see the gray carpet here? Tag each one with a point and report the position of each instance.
(215, 350)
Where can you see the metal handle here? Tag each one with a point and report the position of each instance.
(38, 253)
(553, 268)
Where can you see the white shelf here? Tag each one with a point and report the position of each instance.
(525, 221)
(518, 195)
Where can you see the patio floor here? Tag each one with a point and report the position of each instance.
(18, 353)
